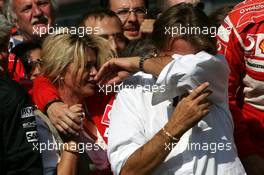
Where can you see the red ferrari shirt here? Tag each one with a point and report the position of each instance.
(99, 105)
(241, 40)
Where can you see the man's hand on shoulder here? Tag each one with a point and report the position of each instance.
(66, 119)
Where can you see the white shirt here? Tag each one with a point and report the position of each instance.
(135, 119)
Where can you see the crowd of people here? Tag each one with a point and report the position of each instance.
(168, 91)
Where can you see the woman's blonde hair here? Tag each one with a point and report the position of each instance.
(63, 48)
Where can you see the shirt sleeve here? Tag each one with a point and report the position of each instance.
(185, 73)
(126, 132)
(19, 147)
(43, 92)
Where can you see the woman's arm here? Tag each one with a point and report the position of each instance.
(155, 65)
(44, 96)
(116, 70)
(69, 159)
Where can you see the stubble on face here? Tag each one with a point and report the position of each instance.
(131, 25)
(33, 17)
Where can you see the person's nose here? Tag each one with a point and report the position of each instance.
(93, 71)
(36, 11)
(132, 17)
(37, 70)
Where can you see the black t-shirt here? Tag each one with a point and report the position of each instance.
(18, 134)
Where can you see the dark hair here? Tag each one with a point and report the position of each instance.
(22, 52)
(106, 3)
(185, 16)
(163, 5)
(218, 16)
(140, 47)
(98, 13)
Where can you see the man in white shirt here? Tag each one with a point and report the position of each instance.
(148, 136)
(136, 123)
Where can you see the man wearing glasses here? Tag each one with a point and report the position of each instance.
(132, 13)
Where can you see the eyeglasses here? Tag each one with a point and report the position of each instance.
(125, 12)
(33, 63)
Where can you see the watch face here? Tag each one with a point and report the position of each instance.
(153, 54)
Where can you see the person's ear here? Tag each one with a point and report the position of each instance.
(171, 43)
(15, 21)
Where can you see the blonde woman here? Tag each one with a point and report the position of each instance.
(70, 63)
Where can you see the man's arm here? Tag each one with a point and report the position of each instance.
(45, 96)
(149, 156)
(44, 93)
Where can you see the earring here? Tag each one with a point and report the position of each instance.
(60, 81)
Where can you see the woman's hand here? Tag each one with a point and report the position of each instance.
(116, 70)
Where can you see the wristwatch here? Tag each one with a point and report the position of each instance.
(153, 54)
